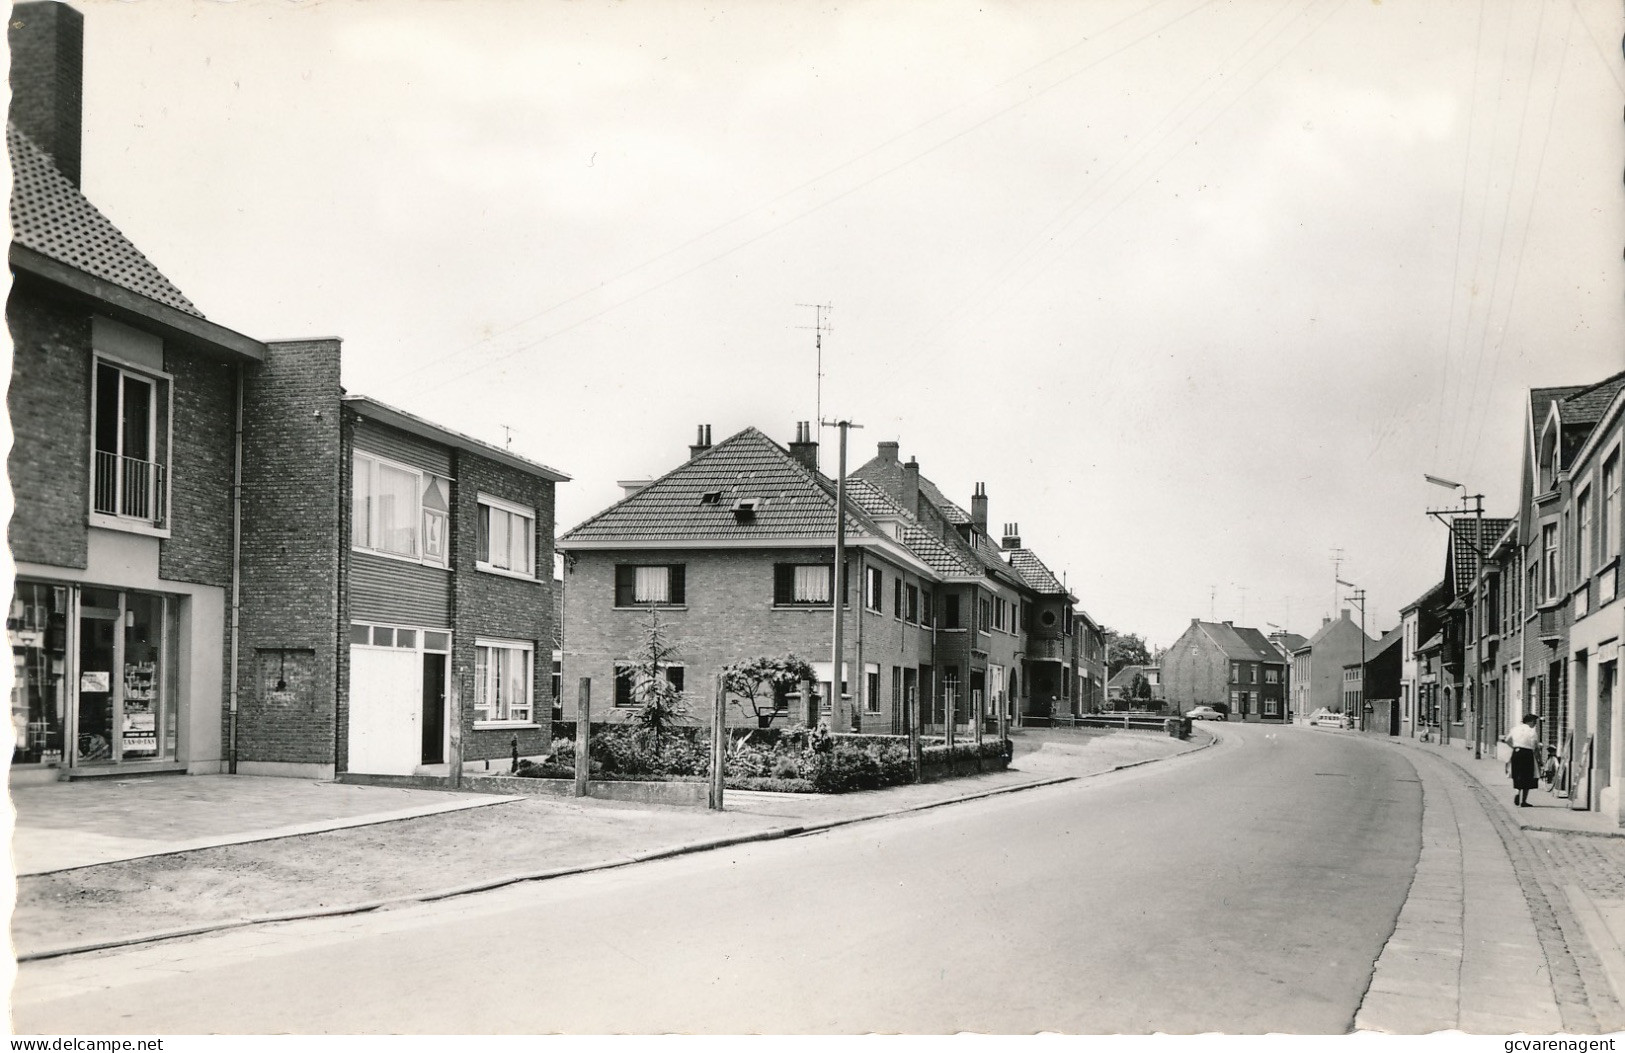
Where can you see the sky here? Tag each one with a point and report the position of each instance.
(1199, 289)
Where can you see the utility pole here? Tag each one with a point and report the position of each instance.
(1474, 504)
(1337, 572)
(836, 719)
(819, 327)
(1357, 596)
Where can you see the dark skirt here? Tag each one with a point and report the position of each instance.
(1525, 776)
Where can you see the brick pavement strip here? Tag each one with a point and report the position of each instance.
(1485, 898)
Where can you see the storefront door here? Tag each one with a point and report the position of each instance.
(94, 741)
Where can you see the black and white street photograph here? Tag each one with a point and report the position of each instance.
(957, 520)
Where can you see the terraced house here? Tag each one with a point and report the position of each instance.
(225, 563)
(734, 551)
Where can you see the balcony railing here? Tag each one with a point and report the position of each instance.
(129, 489)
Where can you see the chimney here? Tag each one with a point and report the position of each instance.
(1012, 536)
(888, 452)
(911, 486)
(702, 441)
(631, 486)
(47, 78)
(978, 508)
(1345, 615)
(1325, 620)
(805, 448)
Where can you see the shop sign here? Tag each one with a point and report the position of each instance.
(96, 683)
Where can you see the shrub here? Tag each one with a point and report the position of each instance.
(787, 767)
(772, 785)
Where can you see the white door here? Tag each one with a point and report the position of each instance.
(386, 709)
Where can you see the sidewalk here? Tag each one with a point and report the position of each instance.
(1583, 857)
(256, 873)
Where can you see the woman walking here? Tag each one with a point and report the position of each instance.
(1525, 771)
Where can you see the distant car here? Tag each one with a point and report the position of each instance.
(1331, 720)
(1205, 713)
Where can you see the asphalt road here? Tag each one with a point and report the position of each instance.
(1246, 888)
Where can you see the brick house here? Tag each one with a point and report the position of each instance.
(1588, 474)
(1049, 626)
(1380, 684)
(1418, 689)
(185, 599)
(734, 551)
(1221, 662)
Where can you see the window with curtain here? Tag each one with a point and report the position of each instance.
(398, 510)
(649, 585)
(802, 584)
(506, 538)
(502, 682)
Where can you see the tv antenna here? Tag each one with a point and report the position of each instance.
(819, 327)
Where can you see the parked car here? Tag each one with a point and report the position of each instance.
(1328, 719)
(1205, 713)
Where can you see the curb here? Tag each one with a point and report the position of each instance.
(491, 884)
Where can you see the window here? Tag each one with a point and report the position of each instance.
(872, 582)
(950, 611)
(897, 597)
(398, 510)
(625, 696)
(1548, 548)
(130, 418)
(1608, 520)
(502, 682)
(871, 688)
(652, 585)
(911, 604)
(802, 584)
(1582, 537)
(507, 535)
(1272, 675)
(928, 611)
(987, 616)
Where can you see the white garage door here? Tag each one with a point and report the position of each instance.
(386, 711)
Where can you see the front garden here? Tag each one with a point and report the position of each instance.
(787, 760)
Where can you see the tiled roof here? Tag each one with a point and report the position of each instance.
(1587, 405)
(1389, 638)
(950, 511)
(1465, 532)
(1038, 577)
(695, 501)
(1423, 600)
(1235, 645)
(1258, 642)
(931, 549)
(1541, 399)
(1292, 641)
(51, 216)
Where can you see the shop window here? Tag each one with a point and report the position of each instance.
(37, 626)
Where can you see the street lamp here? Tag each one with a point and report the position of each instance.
(1358, 596)
(1476, 507)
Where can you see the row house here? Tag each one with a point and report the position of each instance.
(1229, 664)
(1317, 666)
(733, 551)
(1469, 633)
(1419, 689)
(1091, 664)
(1378, 684)
(223, 562)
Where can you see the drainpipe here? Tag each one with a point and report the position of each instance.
(236, 568)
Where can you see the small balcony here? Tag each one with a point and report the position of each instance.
(129, 489)
(1042, 650)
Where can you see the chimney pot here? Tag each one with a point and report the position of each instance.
(805, 449)
(702, 441)
(978, 508)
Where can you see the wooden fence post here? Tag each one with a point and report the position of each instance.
(583, 734)
(719, 746)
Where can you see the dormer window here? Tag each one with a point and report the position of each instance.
(744, 509)
(711, 497)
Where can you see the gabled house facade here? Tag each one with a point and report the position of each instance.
(1236, 666)
(1419, 693)
(733, 551)
(1470, 631)
(1379, 682)
(1317, 667)
(1049, 628)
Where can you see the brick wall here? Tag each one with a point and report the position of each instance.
(203, 409)
(1195, 671)
(290, 547)
(501, 607)
(49, 404)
